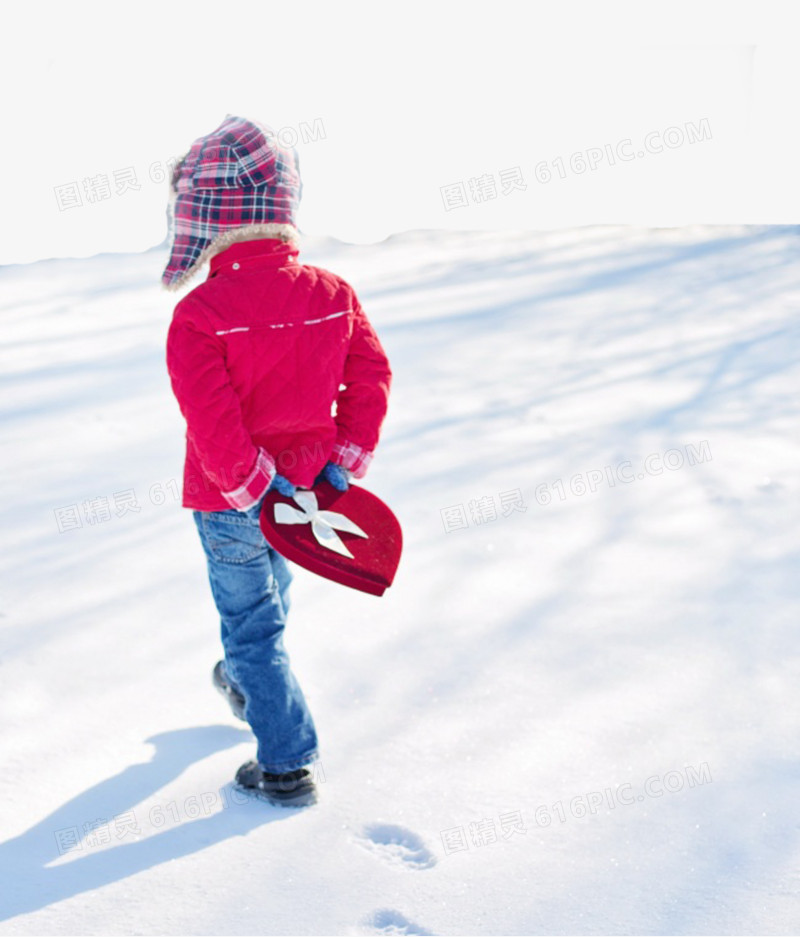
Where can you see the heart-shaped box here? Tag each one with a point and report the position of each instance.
(350, 537)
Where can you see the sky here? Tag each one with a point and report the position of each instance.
(416, 116)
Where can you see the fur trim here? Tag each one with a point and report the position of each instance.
(250, 232)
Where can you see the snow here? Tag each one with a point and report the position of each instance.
(600, 688)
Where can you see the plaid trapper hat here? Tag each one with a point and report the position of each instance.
(238, 180)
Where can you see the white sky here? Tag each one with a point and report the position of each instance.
(404, 100)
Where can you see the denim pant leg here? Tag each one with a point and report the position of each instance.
(250, 585)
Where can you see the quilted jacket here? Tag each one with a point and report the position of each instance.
(275, 367)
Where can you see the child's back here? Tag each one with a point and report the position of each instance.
(283, 336)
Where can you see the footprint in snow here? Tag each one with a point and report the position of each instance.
(390, 922)
(397, 845)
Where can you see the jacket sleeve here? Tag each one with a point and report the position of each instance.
(361, 406)
(215, 428)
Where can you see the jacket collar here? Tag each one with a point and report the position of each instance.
(273, 252)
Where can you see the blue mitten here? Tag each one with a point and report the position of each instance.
(338, 476)
(282, 486)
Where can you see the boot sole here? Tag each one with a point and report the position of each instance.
(306, 799)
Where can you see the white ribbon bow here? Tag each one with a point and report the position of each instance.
(322, 522)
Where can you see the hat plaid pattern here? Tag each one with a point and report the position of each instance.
(238, 176)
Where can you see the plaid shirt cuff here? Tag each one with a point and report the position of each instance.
(254, 487)
(352, 457)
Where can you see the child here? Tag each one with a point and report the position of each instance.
(282, 382)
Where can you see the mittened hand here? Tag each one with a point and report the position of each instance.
(283, 486)
(338, 476)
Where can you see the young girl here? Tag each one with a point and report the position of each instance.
(282, 381)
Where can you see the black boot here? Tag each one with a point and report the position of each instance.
(291, 789)
(232, 695)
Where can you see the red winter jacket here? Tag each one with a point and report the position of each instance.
(276, 368)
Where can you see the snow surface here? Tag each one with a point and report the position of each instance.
(629, 647)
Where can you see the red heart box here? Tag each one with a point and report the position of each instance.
(374, 558)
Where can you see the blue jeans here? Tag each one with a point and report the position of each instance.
(250, 584)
